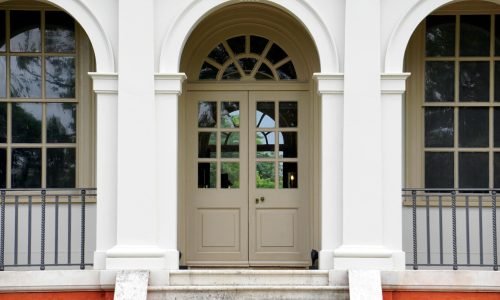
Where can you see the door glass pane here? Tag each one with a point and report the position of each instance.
(231, 73)
(475, 35)
(247, 64)
(264, 73)
(265, 143)
(473, 170)
(287, 71)
(207, 175)
(3, 168)
(276, 54)
(496, 129)
(288, 175)
(474, 81)
(208, 71)
(264, 116)
(230, 115)
(230, 175)
(440, 36)
(61, 168)
(257, 44)
(473, 127)
(25, 35)
(230, 144)
(3, 27)
(288, 144)
(497, 80)
(439, 129)
(3, 122)
(219, 54)
(26, 168)
(207, 112)
(60, 77)
(207, 145)
(59, 32)
(264, 175)
(439, 170)
(439, 81)
(496, 181)
(497, 35)
(288, 114)
(61, 123)
(3, 77)
(26, 122)
(237, 44)
(25, 77)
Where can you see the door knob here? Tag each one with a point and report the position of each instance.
(257, 200)
(262, 199)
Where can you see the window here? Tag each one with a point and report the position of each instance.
(459, 104)
(39, 101)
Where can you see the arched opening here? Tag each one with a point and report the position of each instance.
(451, 128)
(249, 195)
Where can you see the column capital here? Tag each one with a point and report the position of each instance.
(329, 83)
(393, 83)
(104, 83)
(169, 83)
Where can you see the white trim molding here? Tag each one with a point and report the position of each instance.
(393, 83)
(104, 83)
(329, 83)
(169, 83)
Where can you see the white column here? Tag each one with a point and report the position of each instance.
(106, 87)
(330, 89)
(393, 87)
(137, 211)
(168, 88)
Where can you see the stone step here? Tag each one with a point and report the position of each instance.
(247, 292)
(249, 278)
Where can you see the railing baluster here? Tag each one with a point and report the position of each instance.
(414, 213)
(69, 229)
(481, 261)
(82, 235)
(440, 200)
(30, 202)
(16, 229)
(2, 231)
(428, 229)
(42, 237)
(467, 228)
(56, 230)
(494, 224)
(454, 227)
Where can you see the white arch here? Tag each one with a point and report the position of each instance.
(83, 15)
(401, 35)
(178, 34)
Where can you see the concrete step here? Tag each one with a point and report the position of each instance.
(249, 278)
(247, 292)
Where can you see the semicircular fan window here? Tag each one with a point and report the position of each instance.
(247, 57)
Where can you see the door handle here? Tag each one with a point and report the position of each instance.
(256, 200)
(262, 199)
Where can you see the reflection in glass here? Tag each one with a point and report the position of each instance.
(473, 127)
(439, 170)
(264, 116)
(3, 168)
(26, 168)
(230, 115)
(237, 44)
(440, 36)
(287, 71)
(230, 175)
(288, 144)
(60, 77)
(61, 168)
(288, 176)
(3, 77)
(207, 114)
(496, 170)
(247, 64)
(219, 54)
(3, 26)
(231, 73)
(207, 175)
(3, 122)
(25, 77)
(264, 175)
(288, 114)
(264, 73)
(208, 71)
(439, 81)
(475, 35)
(207, 145)
(474, 81)
(61, 123)
(230, 144)
(25, 35)
(59, 32)
(473, 170)
(276, 54)
(265, 144)
(439, 130)
(26, 122)
(257, 44)
(497, 80)
(496, 127)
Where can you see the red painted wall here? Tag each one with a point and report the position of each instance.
(422, 295)
(101, 295)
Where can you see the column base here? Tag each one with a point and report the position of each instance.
(148, 258)
(368, 258)
(99, 260)
(326, 258)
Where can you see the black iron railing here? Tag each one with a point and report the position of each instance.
(453, 227)
(27, 214)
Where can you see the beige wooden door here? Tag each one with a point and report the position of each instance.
(243, 146)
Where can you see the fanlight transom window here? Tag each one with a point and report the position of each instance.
(247, 57)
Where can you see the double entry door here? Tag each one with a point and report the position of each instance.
(247, 179)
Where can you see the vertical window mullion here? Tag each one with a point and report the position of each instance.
(9, 146)
(456, 100)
